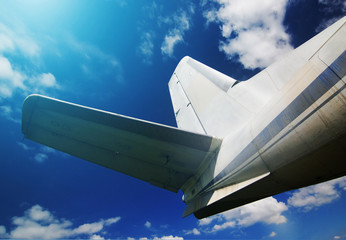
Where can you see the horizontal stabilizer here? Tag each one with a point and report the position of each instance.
(161, 155)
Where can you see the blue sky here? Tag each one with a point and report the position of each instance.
(118, 56)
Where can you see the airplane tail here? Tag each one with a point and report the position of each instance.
(208, 102)
(200, 100)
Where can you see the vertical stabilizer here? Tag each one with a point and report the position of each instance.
(200, 100)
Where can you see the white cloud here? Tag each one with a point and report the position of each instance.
(253, 30)
(37, 213)
(111, 221)
(169, 43)
(147, 224)
(42, 224)
(146, 47)
(47, 80)
(89, 228)
(47, 149)
(182, 23)
(18, 41)
(24, 146)
(3, 232)
(41, 157)
(10, 79)
(194, 231)
(272, 234)
(96, 237)
(170, 237)
(207, 221)
(267, 210)
(218, 227)
(317, 195)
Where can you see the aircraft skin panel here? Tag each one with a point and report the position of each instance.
(162, 155)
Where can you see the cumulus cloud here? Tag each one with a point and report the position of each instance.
(181, 22)
(10, 79)
(253, 30)
(40, 223)
(96, 237)
(47, 80)
(268, 211)
(314, 196)
(218, 227)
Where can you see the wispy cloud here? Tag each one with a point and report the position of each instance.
(182, 23)
(17, 41)
(253, 30)
(147, 224)
(194, 231)
(40, 223)
(10, 114)
(267, 210)
(146, 47)
(24, 146)
(335, 8)
(40, 157)
(14, 75)
(333, 5)
(93, 57)
(272, 234)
